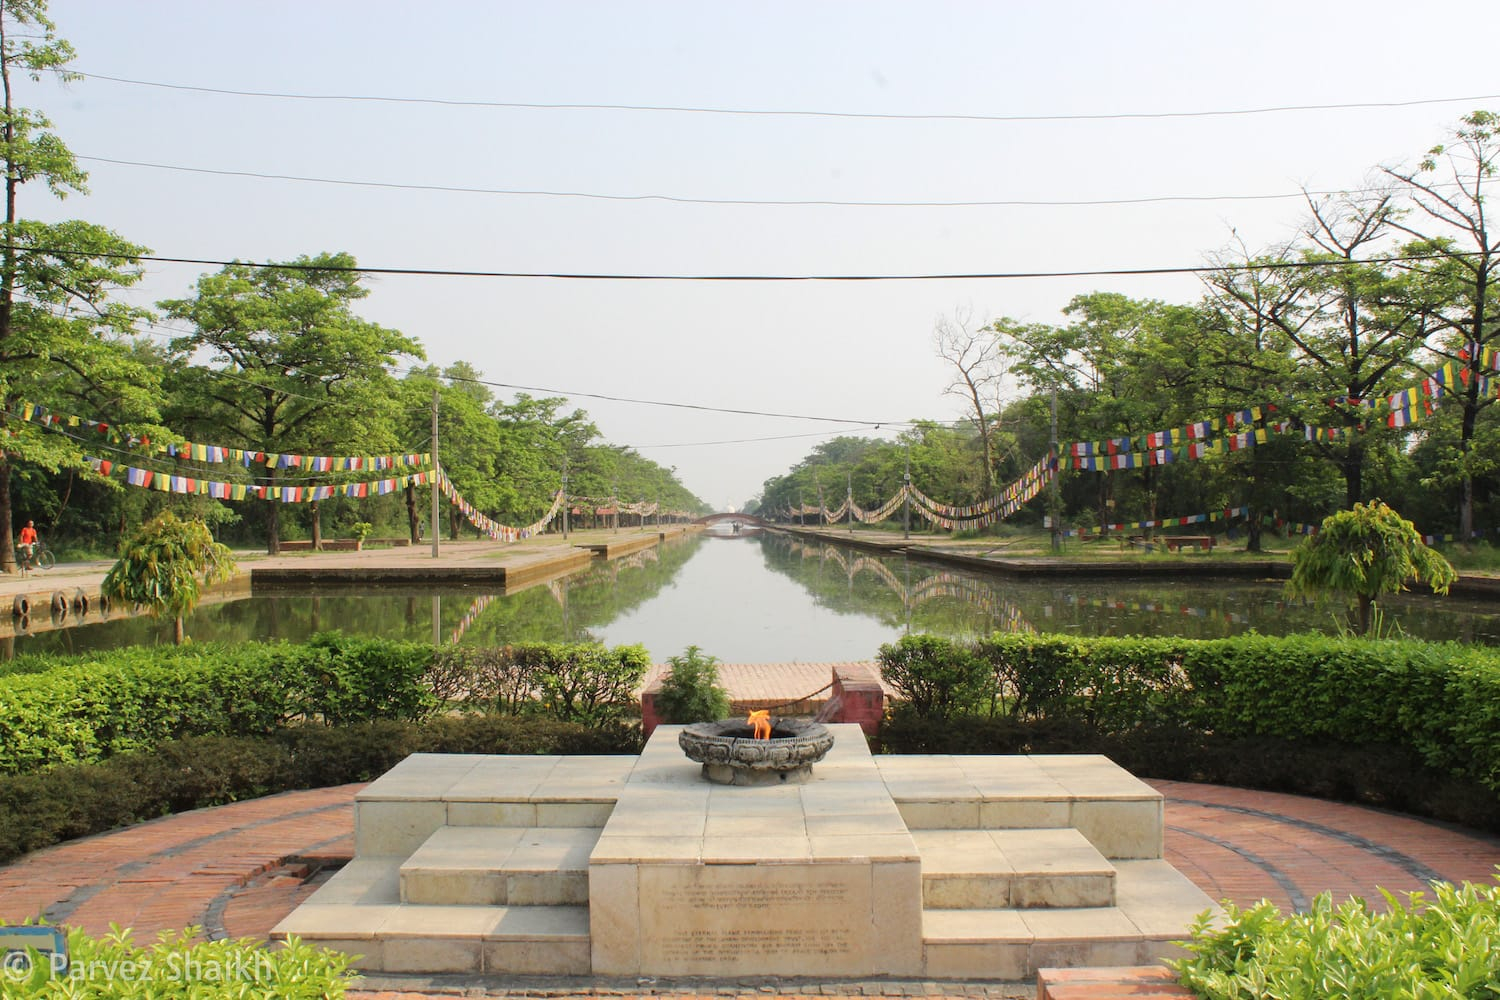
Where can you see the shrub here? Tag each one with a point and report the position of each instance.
(74, 800)
(176, 965)
(1363, 554)
(691, 691)
(486, 679)
(935, 677)
(89, 708)
(584, 681)
(1442, 945)
(1440, 701)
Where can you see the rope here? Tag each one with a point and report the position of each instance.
(798, 701)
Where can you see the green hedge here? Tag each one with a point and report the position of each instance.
(1439, 701)
(75, 800)
(89, 708)
(1442, 700)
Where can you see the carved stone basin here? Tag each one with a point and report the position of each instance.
(730, 754)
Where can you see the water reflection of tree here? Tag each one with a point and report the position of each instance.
(927, 597)
(566, 609)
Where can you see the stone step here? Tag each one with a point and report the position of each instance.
(1119, 814)
(1012, 869)
(359, 912)
(1153, 905)
(500, 866)
(1137, 982)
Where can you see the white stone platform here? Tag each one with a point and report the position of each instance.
(937, 867)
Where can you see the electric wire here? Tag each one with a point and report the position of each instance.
(761, 202)
(1116, 272)
(785, 112)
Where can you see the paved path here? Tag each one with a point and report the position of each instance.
(235, 870)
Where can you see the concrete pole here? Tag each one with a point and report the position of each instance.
(566, 503)
(1055, 500)
(906, 497)
(849, 502)
(437, 470)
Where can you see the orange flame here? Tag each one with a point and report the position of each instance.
(760, 721)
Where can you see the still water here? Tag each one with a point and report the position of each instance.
(770, 598)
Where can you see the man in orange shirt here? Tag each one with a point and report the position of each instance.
(27, 542)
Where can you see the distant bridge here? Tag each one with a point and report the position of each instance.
(749, 519)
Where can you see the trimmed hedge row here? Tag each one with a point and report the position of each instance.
(134, 698)
(1441, 701)
(91, 708)
(74, 800)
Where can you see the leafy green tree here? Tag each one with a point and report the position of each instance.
(1448, 191)
(1363, 553)
(1247, 361)
(293, 369)
(1122, 368)
(62, 342)
(468, 438)
(163, 566)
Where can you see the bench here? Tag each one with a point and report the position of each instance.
(1175, 542)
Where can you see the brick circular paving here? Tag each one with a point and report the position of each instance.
(236, 870)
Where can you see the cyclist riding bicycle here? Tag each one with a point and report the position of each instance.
(26, 543)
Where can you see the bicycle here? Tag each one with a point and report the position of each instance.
(41, 558)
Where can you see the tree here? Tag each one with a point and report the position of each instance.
(978, 360)
(1450, 220)
(297, 371)
(1251, 362)
(468, 439)
(62, 343)
(1122, 368)
(1363, 553)
(163, 566)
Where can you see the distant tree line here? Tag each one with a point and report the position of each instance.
(1382, 289)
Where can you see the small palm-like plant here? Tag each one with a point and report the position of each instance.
(164, 565)
(1364, 553)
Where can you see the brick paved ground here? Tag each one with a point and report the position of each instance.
(237, 869)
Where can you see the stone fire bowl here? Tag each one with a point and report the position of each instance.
(731, 755)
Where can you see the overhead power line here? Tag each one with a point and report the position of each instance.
(686, 200)
(679, 406)
(1285, 265)
(788, 112)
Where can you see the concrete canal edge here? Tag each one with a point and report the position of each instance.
(1467, 585)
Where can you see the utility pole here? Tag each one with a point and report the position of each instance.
(565, 496)
(1055, 500)
(849, 502)
(437, 471)
(906, 496)
(614, 501)
(801, 513)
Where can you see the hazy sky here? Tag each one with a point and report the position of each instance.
(854, 351)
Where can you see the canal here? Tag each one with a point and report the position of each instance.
(768, 598)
